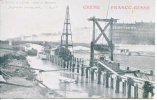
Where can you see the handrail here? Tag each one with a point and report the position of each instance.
(124, 77)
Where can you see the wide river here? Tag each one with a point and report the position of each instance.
(83, 88)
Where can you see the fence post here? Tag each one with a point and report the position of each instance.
(136, 91)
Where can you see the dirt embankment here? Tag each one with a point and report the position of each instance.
(20, 76)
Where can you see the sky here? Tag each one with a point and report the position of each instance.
(26, 17)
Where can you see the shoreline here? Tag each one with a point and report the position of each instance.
(20, 76)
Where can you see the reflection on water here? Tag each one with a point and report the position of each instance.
(70, 85)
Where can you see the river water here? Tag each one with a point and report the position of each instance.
(145, 63)
(82, 88)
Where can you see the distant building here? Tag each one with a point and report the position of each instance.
(134, 33)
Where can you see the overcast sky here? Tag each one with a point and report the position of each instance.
(18, 17)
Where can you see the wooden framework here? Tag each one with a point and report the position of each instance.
(102, 30)
(67, 35)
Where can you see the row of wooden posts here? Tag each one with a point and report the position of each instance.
(128, 87)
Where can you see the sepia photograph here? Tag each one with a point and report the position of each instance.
(77, 49)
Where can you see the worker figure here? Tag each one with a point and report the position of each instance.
(147, 88)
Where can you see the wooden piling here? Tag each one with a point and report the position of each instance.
(70, 65)
(57, 60)
(78, 68)
(64, 64)
(78, 65)
(99, 76)
(107, 79)
(60, 62)
(53, 59)
(136, 91)
(82, 69)
(118, 79)
(130, 82)
(87, 72)
(73, 64)
(124, 87)
(73, 67)
(92, 74)
(104, 78)
(111, 82)
(49, 57)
